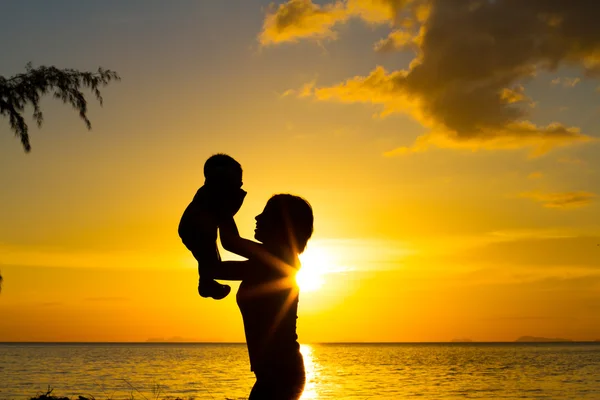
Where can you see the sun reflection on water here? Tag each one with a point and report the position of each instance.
(310, 389)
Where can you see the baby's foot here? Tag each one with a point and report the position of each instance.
(212, 288)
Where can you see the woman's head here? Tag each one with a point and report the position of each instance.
(286, 221)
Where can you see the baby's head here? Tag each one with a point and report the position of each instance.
(222, 171)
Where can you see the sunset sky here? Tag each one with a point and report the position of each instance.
(449, 149)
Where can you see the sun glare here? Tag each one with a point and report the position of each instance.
(315, 262)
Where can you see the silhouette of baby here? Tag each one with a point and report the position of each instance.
(220, 197)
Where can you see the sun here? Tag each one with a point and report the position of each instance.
(308, 281)
(315, 262)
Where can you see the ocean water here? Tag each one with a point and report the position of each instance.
(334, 371)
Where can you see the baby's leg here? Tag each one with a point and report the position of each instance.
(208, 259)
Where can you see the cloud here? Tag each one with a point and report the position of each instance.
(539, 140)
(305, 91)
(301, 19)
(51, 304)
(109, 299)
(566, 82)
(511, 235)
(514, 95)
(580, 251)
(340, 255)
(472, 58)
(572, 161)
(391, 12)
(563, 200)
(535, 175)
(288, 92)
(399, 40)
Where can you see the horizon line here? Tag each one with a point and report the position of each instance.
(308, 343)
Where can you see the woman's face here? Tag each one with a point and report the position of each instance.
(266, 229)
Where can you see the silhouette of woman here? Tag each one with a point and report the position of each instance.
(268, 294)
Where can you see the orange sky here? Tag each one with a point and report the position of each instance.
(453, 182)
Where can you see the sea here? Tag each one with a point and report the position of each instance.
(152, 371)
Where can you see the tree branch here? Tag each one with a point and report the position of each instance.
(27, 88)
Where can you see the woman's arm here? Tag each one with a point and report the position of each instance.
(231, 271)
(231, 241)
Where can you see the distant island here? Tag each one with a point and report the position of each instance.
(462, 340)
(174, 339)
(533, 339)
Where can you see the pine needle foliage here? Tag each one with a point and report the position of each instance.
(27, 88)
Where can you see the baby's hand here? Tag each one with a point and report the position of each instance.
(236, 202)
(230, 204)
